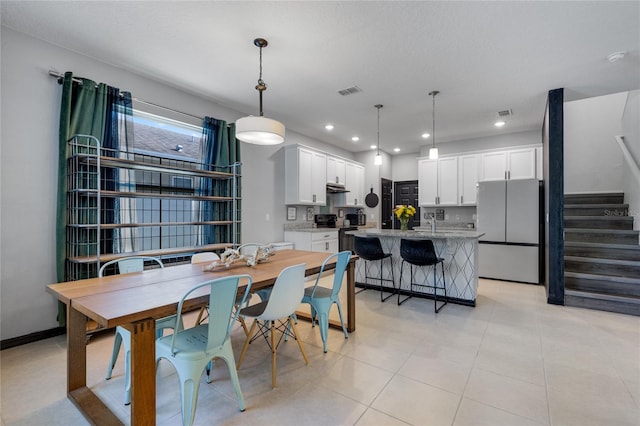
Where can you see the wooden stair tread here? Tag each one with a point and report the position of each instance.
(600, 217)
(595, 206)
(587, 244)
(602, 296)
(600, 260)
(582, 275)
(606, 231)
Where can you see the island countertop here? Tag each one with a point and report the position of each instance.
(438, 235)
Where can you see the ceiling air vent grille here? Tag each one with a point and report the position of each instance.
(349, 90)
(505, 113)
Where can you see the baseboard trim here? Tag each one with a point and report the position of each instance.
(455, 300)
(30, 338)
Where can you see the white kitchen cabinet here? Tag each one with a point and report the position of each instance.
(305, 176)
(468, 179)
(317, 240)
(336, 170)
(438, 182)
(509, 164)
(354, 182)
(522, 164)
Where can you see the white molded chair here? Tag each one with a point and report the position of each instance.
(128, 265)
(321, 298)
(206, 256)
(190, 350)
(285, 297)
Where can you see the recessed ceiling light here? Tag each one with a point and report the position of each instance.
(355, 139)
(396, 149)
(373, 146)
(499, 123)
(329, 127)
(425, 135)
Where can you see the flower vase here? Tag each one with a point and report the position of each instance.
(404, 224)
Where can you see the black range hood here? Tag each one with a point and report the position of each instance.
(336, 188)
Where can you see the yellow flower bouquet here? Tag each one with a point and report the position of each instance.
(404, 213)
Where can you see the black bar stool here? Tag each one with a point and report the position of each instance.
(369, 249)
(422, 253)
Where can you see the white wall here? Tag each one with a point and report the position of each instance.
(593, 161)
(28, 171)
(405, 167)
(631, 132)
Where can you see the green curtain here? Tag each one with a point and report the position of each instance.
(83, 111)
(219, 150)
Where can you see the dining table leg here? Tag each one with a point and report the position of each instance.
(351, 296)
(77, 391)
(143, 371)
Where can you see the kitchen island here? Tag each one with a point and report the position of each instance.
(458, 248)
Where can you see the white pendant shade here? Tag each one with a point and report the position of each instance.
(377, 160)
(259, 130)
(433, 153)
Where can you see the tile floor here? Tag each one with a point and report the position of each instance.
(511, 360)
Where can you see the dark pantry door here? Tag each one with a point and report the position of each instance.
(406, 192)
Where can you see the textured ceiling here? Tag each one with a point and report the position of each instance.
(483, 57)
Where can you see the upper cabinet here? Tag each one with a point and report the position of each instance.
(438, 182)
(468, 179)
(354, 181)
(508, 164)
(336, 170)
(453, 180)
(305, 176)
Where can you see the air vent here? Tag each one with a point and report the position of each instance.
(505, 113)
(350, 91)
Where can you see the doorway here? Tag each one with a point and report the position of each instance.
(406, 192)
(386, 216)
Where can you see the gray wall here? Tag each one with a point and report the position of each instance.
(631, 132)
(593, 161)
(28, 171)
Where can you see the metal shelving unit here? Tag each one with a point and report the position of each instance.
(125, 203)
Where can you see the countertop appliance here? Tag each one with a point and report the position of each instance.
(509, 215)
(325, 220)
(359, 219)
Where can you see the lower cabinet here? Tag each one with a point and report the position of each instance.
(315, 240)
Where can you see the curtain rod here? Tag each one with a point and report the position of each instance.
(60, 78)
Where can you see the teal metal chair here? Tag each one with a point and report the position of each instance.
(191, 350)
(285, 297)
(321, 298)
(206, 256)
(129, 265)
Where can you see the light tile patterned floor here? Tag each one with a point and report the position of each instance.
(512, 360)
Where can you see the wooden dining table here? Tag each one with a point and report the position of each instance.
(135, 300)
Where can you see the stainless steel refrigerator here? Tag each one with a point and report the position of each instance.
(509, 215)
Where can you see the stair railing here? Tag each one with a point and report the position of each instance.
(635, 170)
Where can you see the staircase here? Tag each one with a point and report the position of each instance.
(601, 254)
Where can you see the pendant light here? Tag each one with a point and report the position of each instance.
(433, 151)
(260, 130)
(378, 158)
